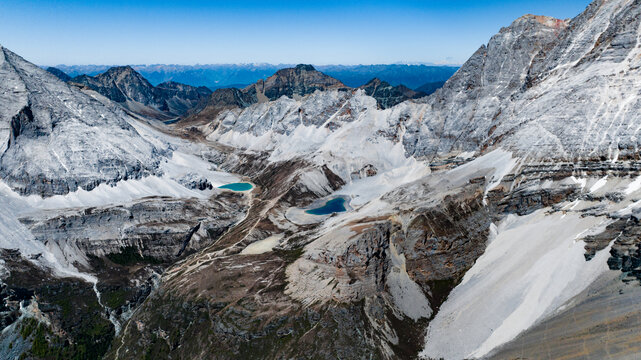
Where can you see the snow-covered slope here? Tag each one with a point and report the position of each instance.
(64, 151)
(542, 87)
(456, 118)
(55, 139)
(345, 131)
(531, 267)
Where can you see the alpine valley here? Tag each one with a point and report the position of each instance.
(302, 218)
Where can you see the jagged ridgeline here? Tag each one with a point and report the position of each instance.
(56, 139)
(299, 217)
(173, 102)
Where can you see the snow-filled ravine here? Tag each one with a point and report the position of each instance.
(533, 264)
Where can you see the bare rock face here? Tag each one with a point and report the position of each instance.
(387, 95)
(158, 229)
(575, 104)
(291, 82)
(220, 100)
(56, 139)
(180, 99)
(125, 86)
(460, 115)
(298, 81)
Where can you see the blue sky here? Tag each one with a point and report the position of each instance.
(50, 32)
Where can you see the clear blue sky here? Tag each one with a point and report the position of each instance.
(50, 32)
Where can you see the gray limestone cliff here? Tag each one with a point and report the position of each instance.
(54, 139)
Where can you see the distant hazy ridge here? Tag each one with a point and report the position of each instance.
(238, 75)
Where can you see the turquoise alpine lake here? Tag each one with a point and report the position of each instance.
(330, 207)
(237, 186)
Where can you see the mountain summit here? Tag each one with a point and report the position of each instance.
(295, 83)
(127, 87)
(292, 82)
(387, 95)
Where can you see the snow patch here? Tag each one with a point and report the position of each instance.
(529, 270)
(633, 186)
(599, 184)
(407, 295)
(262, 246)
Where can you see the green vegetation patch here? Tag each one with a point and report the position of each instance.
(46, 345)
(130, 255)
(289, 256)
(115, 299)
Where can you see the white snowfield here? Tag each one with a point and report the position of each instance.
(262, 246)
(407, 295)
(348, 132)
(532, 266)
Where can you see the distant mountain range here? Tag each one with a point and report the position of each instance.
(170, 101)
(128, 88)
(240, 75)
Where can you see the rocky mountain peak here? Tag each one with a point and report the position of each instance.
(387, 95)
(125, 75)
(305, 67)
(474, 97)
(376, 82)
(120, 84)
(545, 20)
(126, 86)
(292, 82)
(304, 73)
(530, 25)
(120, 70)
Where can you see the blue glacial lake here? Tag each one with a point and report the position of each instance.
(330, 207)
(237, 186)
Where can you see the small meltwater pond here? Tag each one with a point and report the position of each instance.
(330, 207)
(237, 186)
